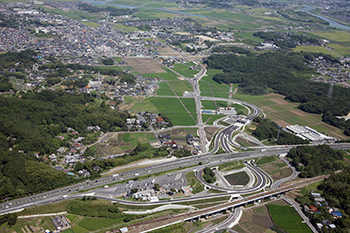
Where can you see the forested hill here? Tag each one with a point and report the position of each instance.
(30, 123)
(36, 118)
(284, 73)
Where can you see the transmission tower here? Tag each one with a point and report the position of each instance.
(229, 98)
(98, 96)
(278, 133)
(330, 91)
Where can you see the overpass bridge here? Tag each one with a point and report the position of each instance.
(203, 213)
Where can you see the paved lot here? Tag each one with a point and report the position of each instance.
(168, 181)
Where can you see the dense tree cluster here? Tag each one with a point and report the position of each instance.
(301, 16)
(19, 61)
(32, 121)
(4, 84)
(284, 73)
(285, 40)
(30, 124)
(269, 130)
(21, 174)
(8, 22)
(232, 49)
(11, 219)
(108, 61)
(95, 209)
(182, 153)
(316, 160)
(209, 175)
(336, 190)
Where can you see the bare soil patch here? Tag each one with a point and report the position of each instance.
(144, 65)
(210, 131)
(279, 101)
(261, 220)
(242, 140)
(299, 113)
(282, 123)
(268, 109)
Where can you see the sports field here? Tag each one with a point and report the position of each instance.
(287, 218)
(173, 109)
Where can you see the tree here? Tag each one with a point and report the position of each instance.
(12, 219)
(157, 187)
(134, 190)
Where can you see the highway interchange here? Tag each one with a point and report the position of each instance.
(117, 184)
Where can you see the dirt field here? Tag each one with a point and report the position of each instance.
(114, 146)
(210, 131)
(144, 65)
(282, 123)
(243, 141)
(275, 171)
(254, 220)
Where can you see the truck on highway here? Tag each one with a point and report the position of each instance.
(263, 150)
(105, 187)
(115, 175)
(136, 174)
(154, 180)
(65, 196)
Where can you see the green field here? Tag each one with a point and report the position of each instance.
(313, 49)
(164, 89)
(287, 218)
(196, 185)
(210, 105)
(135, 138)
(184, 70)
(180, 86)
(239, 178)
(209, 119)
(190, 105)
(266, 159)
(333, 36)
(284, 112)
(126, 28)
(153, 14)
(219, 90)
(173, 109)
(96, 223)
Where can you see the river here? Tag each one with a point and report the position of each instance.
(332, 23)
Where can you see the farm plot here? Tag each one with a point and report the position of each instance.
(286, 113)
(120, 143)
(277, 169)
(180, 86)
(173, 109)
(287, 218)
(144, 65)
(239, 178)
(208, 85)
(164, 89)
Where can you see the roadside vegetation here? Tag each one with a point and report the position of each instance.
(313, 161)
